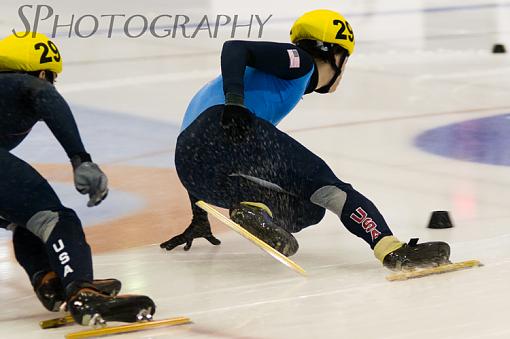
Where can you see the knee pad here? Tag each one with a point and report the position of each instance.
(43, 223)
(331, 198)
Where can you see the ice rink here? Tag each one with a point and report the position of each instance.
(420, 122)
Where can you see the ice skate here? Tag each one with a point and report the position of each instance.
(49, 290)
(51, 293)
(258, 220)
(252, 238)
(415, 260)
(88, 306)
(398, 256)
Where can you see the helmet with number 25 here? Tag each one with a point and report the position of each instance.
(324, 26)
(29, 52)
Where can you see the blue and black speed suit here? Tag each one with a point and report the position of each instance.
(268, 166)
(44, 227)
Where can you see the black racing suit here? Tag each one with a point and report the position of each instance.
(24, 193)
(268, 166)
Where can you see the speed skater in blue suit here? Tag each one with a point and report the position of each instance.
(231, 154)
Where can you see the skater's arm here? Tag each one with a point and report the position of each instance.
(88, 177)
(283, 60)
(199, 215)
(51, 107)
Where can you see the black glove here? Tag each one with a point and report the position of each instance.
(199, 228)
(194, 230)
(236, 120)
(89, 179)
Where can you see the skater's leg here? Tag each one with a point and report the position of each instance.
(276, 158)
(273, 159)
(358, 214)
(31, 255)
(27, 200)
(30, 252)
(214, 169)
(203, 169)
(208, 168)
(305, 175)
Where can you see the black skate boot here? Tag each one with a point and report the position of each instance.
(88, 306)
(51, 293)
(401, 256)
(49, 290)
(257, 219)
(109, 287)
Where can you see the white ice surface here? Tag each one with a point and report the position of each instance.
(414, 68)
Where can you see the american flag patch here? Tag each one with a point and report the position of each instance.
(293, 58)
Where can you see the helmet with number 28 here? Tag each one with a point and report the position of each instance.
(324, 26)
(29, 52)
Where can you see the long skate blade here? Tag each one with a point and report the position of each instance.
(261, 244)
(128, 328)
(56, 322)
(418, 273)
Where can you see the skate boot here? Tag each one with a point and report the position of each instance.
(257, 219)
(396, 255)
(49, 290)
(51, 293)
(88, 306)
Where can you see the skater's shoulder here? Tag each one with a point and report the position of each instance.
(21, 81)
(270, 54)
(21, 87)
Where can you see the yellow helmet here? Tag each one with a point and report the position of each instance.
(34, 52)
(326, 26)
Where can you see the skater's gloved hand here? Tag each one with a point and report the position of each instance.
(89, 179)
(197, 229)
(236, 119)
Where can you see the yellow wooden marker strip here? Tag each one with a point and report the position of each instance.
(57, 322)
(261, 244)
(128, 328)
(433, 270)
